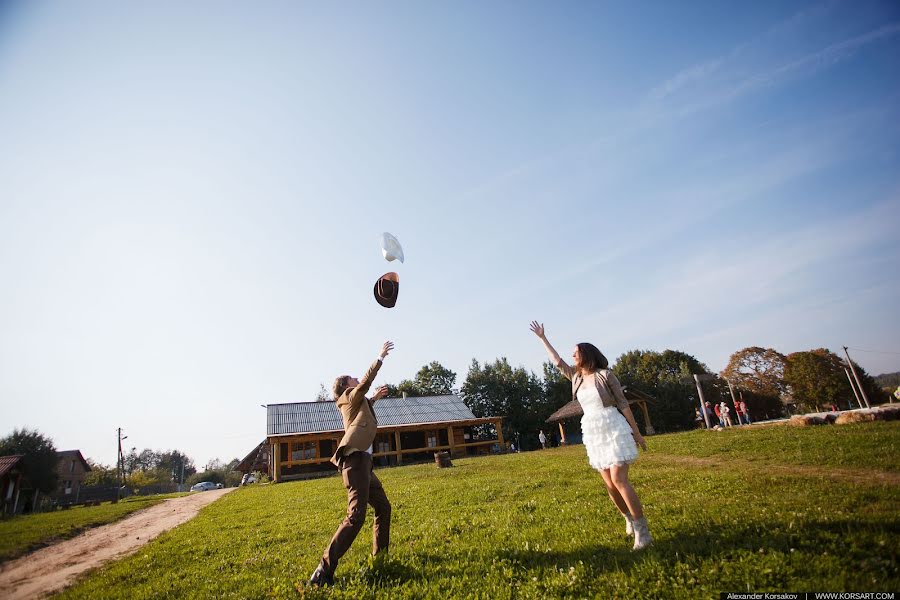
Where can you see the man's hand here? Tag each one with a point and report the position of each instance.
(386, 349)
(380, 393)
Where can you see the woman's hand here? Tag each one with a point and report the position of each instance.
(538, 329)
(380, 393)
(639, 440)
(386, 349)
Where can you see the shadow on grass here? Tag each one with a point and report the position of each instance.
(856, 541)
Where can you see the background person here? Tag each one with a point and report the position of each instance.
(746, 412)
(609, 431)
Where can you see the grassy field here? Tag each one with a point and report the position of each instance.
(26, 532)
(539, 525)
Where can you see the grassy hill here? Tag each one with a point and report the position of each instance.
(776, 508)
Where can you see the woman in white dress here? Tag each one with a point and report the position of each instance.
(608, 428)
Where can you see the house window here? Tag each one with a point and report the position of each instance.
(303, 450)
(432, 438)
(72, 467)
(67, 485)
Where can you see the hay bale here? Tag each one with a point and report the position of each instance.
(887, 413)
(855, 417)
(807, 420)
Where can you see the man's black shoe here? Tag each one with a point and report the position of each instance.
(321, 577)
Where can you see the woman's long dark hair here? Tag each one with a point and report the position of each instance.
(591, 357)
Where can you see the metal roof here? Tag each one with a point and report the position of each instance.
(8, 462)
(316, 417)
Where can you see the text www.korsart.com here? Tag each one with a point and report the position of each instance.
(809, 596)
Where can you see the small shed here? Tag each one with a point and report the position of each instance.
(572, 410)
(303, 436)
(12, 478)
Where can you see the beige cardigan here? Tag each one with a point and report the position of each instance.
(607, 383)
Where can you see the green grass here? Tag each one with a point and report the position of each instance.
(539, 525)
(867, 445)
(23, 533)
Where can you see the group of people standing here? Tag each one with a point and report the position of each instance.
(609, 431)
(721, 413)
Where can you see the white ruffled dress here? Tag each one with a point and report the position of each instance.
(606, 434)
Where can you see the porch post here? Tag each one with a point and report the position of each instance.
(399, 456)
(276, 476)
(450, 441)
(647, 425)
(562, 434)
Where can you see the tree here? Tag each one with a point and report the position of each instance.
(668, 377)
(816, 378)
(177, 464)
(888, 380)
(433, 379)
(498, 389)
(218, 471)
(100, 474)
(323, 395)
(877, 395)
(760, 372)
(557, 391)
(39, 458)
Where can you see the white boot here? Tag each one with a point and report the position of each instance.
(642, 537)
(629, 525)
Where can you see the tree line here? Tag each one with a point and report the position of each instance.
(772, 385)
(160, 470)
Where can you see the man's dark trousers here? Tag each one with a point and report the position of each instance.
(363, 487)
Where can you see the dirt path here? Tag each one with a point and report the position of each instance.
(859, 476)
(53, 568)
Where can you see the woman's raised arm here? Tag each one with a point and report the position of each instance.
(564, 368)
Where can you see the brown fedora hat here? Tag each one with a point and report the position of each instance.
(386, 289)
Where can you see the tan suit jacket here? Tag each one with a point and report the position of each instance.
(358, 414)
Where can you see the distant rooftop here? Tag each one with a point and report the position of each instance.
(317, 417)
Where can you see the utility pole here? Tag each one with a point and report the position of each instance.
(853, 387)
(734, 402)
(697, 379)
(856, 377)
(120, 467)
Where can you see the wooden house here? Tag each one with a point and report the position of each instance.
(303, 436)
(71, 469)
(257, 461)
(12, 481)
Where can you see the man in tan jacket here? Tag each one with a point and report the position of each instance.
(354, 460)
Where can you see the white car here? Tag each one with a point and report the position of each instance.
(248, 478)
(203, 486)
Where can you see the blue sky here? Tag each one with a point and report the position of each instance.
(191, 196)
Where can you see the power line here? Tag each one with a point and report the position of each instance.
(874, 351)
